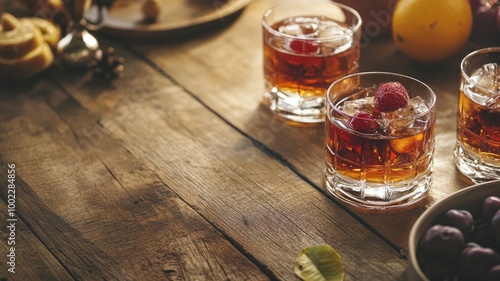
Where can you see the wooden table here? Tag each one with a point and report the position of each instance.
(176, 171)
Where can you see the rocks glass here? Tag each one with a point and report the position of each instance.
(477, 152)
(377, 158)
(307, 46)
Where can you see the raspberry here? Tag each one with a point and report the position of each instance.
(391, 96)
(362, 122)
(304, 47)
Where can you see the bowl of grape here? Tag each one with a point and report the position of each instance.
(458, 238)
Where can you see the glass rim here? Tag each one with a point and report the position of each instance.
(430, 108)
(470, 55)
(280, 34)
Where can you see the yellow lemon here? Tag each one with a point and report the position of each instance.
(430, 31)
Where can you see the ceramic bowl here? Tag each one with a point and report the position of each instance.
(470, 198)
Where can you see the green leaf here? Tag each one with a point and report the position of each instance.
(319, 263)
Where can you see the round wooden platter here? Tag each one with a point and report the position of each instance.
(177, 17)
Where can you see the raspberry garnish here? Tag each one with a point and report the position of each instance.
(362, 122)
(391, 96)
(304, 47)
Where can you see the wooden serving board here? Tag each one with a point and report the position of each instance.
(177, 17)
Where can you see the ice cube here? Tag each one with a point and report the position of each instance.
(487, 76)
(396, 114)
(400, 119)
(335, 38)
(300, 26)
(477, 94)
(366, 104)
(290, 29)
(493, 102)
(394, 121)
(417, 105)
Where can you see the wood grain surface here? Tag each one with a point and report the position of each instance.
(236, 65)
(176, 171)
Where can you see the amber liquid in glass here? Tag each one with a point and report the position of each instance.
(479, 129)
(397, 152)
(310, 68)
(378, 158)
(477, 152)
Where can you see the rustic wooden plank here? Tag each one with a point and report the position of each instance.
(103, 214)
(263, 207)
(81, 257)
(235, 63)
(32, 259)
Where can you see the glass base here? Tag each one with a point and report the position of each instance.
(295, 107)
(378, 195)
(472, 166)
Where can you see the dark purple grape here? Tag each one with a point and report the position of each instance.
(460, 219)
(495, 226)
(485, 23)
(476, 262)
(483, 235)
(437, 270)
(494, 273)
(474, 4)
(443, 242)
(444, 255)
(498, 22)
(490, 206)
